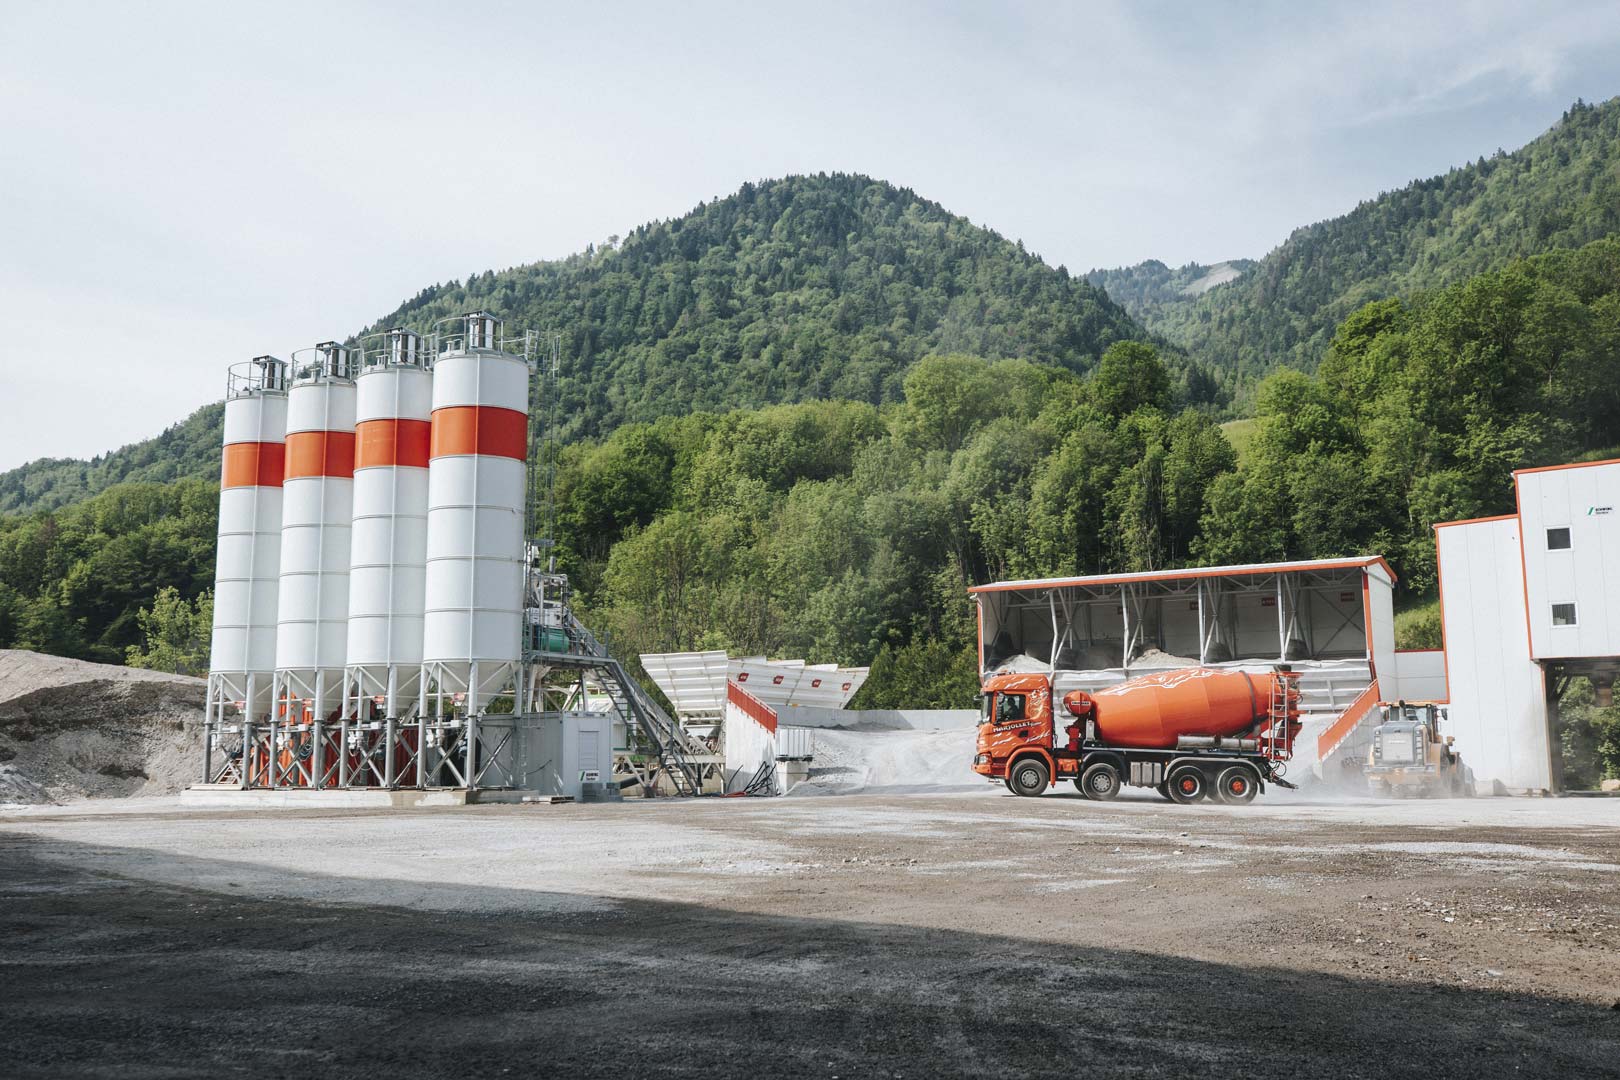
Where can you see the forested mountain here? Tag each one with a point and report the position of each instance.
(806, 288)
(188, 449)
(809, 287)
(1559, 192)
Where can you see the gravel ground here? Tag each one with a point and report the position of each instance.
(959, 934)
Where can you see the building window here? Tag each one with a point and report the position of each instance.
(1563, 614)
(1558, 539)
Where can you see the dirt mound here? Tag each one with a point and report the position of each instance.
(71, 729)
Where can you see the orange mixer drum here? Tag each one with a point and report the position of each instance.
(1152, 711)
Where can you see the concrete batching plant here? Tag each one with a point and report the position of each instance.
(383, 620)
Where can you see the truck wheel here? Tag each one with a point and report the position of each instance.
(1186, 785)
(1100, 781)
(1164, 790)
(1028, 777)
(1236, 786)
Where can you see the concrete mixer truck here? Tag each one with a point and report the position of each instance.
(1191, 734)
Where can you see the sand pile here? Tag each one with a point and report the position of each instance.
(71, 729)
(849, 761)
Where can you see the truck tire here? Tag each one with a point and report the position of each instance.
(1186, 785)
(1237, 785)
(1163, 789)
(1100, 781)
(1028, 777)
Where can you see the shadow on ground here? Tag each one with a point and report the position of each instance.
(102, 975)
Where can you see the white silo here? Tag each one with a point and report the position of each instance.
(475, 516)
(312, 624)
(242, 657)
(388, 562)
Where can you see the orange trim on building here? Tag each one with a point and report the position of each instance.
(1524, 584)
(1367, 622)
(320, 453)
(480, 429)
(1205, 572)
(252, 464)
(1472, 521)
(1571, 465)
(755, 709)
(1339, 730)
(392, 442)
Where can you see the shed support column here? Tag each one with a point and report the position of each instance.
(1130, 627)
(1051, 602)
(1203, 632)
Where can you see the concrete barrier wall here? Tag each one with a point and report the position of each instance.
(879, 719)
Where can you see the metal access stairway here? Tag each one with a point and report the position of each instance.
(681, 757)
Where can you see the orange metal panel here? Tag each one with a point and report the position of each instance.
(480, 429)
(392, 442)
(320, 453)
(253, 464)
(761, 713)
(1335, 733)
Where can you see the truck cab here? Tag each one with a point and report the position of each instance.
(1409, 756)
(1015, 715)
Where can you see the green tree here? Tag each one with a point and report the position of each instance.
(1129, 377)
(175, 634)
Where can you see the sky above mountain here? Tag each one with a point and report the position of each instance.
(187, 185)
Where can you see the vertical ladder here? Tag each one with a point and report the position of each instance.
(1281, 714)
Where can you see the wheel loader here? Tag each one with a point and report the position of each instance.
(1408, 756)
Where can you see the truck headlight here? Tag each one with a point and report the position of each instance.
(981, 759)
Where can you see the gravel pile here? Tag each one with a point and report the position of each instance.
(71, 729)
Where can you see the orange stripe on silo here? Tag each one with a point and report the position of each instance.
(392, 442)
(320, 453)
(252, 464)
(480, 429)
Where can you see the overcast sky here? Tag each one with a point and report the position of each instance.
(183, 186)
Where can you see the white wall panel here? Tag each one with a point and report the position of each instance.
(1420, 675)
(1498, 705)
(1586, 501)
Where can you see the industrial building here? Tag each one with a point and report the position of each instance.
(1529, 600)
